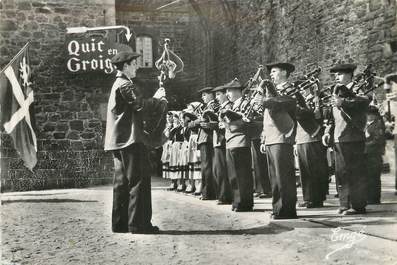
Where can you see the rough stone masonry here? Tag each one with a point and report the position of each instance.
(218, 40)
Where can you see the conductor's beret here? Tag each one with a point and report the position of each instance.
(123, 56)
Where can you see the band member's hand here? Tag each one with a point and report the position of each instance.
(391, 96)
(160, 93)
(336, 101)
(263, 149)
(204, 125)
(257, 100)
(326, 139)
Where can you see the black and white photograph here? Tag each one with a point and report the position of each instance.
(141, 132)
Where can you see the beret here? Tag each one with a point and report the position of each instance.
(219, 88)
(285, 66)
(343, 68)
(206, 89)
(189, 114)
(124, 57)
(233, 84)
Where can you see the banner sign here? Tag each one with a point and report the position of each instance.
(89, 54)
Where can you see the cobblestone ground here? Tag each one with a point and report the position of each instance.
(73, 227)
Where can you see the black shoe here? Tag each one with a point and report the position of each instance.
(265, 195)
(222, 203)
(243, 209)
(315, 205)
(336, 195)
(279, 217)
(181, 188)
(354, 211)
(342, 210)
(172, 187)
(303, 204)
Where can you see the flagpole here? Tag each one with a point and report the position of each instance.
(16, 56)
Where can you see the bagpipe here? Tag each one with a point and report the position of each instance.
(154, 122)
(254, 110)
(306, 91)
(230, 115)
(362, 85)
(210, 112)
(249, 110)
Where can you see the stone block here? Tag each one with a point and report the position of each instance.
(85, 115)
(73, 135)
(89, 144)
(31, 26)
(68, 95)
(54, 116)
(88, 135)
(38, 4)
(43, 10)
(49, 127)
(8, 25)
(66, 115)
(59, 135)
(51, 96)
(38, 35)
(76, 125)
(76, 145)
(62, 126)
(61, 10)
(49, 108)
(24, 6)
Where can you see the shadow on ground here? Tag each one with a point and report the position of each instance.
(44, 201)
(261, 230)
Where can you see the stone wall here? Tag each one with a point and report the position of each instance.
(217, 40)
(311, 33)
(68, 113)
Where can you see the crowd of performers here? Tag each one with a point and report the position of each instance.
(239, 143)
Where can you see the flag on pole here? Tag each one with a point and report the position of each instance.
(16, 98)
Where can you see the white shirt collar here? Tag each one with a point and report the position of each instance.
(281, 86)
(225, 103)
(237, 102)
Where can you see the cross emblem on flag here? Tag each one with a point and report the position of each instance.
(16, 98)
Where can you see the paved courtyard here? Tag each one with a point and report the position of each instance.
(73, 227)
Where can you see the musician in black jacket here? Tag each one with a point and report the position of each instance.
(312, 154)
(224, 192)
(262, 187)
(204, 143)
(278, 137)
(349, 114)
(375, 142)
(238, 153)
